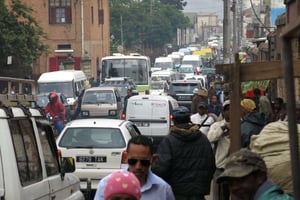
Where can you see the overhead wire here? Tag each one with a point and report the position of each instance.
(258, 18)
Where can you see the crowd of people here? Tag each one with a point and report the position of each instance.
(194, 159)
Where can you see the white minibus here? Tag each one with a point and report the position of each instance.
(69, 82)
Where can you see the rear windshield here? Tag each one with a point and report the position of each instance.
(92, 138)
(157, 86)
(183, 88)
(96, 97)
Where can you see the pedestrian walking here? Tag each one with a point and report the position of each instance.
(185, 158)
(246, 174)
(252, 121)
(200, 95)
(122, 185)
(219, 136)
(202, 119)
(140, 157)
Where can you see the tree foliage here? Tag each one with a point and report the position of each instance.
(147, 23)
(179, 4)
(20, 35)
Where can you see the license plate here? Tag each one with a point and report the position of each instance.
(100, 159)
(184, 97)
(142, 124)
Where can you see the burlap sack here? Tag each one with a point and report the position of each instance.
(273, 145)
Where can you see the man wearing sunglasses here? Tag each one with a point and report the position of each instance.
(185, 158)
(140, 158)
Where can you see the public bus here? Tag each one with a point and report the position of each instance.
(135, 66)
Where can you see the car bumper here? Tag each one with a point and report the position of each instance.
(89, 178)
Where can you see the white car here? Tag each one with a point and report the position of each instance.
(187, 69)
(159, 87)
(98, 147)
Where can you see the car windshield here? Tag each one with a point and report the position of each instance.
(92, 138)
(62, 87)
(185, 88)
(98, 97)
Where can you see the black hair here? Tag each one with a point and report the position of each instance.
(278, 100)
(256, 92)
(182, 119)
(141, 140)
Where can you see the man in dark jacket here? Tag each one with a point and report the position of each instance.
(185, 158)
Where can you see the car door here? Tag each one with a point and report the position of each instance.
(33, 183)
(59, 188)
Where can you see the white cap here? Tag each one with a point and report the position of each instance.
(195, 91)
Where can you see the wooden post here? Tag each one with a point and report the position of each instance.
(287, 59)
(235, 116)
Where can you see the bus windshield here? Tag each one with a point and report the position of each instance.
(137, 69)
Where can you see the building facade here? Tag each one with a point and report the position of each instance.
(78, 34)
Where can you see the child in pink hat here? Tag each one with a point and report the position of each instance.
(122, 185)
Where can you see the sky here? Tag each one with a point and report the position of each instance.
(205, 6)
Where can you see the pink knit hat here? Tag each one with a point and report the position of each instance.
(122, 183)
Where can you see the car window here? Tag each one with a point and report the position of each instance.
(132, 129)
(101, 96)
(26, 151)
(92, 138)
(50, 156)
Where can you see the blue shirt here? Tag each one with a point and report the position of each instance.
(155, 188)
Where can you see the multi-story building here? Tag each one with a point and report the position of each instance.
(206, 25)
(78, 34)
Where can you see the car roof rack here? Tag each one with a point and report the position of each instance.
(25, 94)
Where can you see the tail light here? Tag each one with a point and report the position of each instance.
(123, 116)
(59, 153)
(171, 120)
(124, 155)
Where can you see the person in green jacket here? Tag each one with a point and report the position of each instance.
(246, 174)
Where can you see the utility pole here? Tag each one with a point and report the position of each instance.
(234, 20)
(226, 33)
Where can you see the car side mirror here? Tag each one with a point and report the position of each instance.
(67, 166)
(119, 99)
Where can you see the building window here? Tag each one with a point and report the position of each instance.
(60, 12)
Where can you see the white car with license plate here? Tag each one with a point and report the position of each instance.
(98, 147)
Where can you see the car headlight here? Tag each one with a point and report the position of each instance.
(112, 112)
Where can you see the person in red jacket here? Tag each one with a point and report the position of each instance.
(56, 110)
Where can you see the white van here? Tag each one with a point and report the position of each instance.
(194, 60)
(68, 82)
(164, 75)
(151, 113)
(164, 63)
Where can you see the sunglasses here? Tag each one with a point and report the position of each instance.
(133, 161)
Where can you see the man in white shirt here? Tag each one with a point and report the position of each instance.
(218, 135)
(202, 118)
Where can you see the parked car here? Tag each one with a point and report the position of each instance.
(101, 102)
(182, 91)
(42, 100)
(98, 147)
